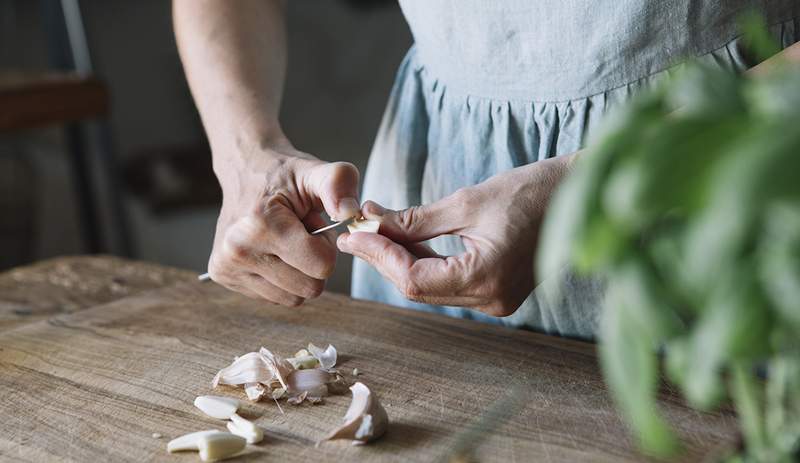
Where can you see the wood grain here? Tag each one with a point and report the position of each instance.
(93, 385)
(69, 284)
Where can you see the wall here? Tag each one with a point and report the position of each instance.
(341, 67)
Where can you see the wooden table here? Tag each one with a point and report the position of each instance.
(97, 354)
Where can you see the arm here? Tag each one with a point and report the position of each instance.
(234, 54)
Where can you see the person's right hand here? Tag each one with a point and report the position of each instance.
(272, 198)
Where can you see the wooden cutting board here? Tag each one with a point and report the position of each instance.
(95, 382)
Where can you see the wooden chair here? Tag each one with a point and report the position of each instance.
(69, 96)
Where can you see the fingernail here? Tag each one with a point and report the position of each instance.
(341, 242)
(348, 207)
(373, 210)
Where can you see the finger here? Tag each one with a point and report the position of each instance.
(270, 292)
(421, 250)
(419, 223)
(335, 184)
(278, 231)
(272, 269)
(432, 279)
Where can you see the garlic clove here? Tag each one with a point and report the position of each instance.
(327, 357)
(249, 368)
(217, 407)
(305, 362)
(365, 420)
(188, 441)
(364, 225)
(246, 429)
(315, 380)
(220, 445)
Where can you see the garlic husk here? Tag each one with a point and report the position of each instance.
(213, 447)
(364, 225)
(246, 429)
(188, 441)
(249, 368)
(279, 367)
(365, 420)
(254, 391)
(217, 407)
(326, 358)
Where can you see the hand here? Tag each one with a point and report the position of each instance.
(498, 222)
(271, 198)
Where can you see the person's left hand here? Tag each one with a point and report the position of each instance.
(498, 222)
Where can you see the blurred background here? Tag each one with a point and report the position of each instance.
(115, 159)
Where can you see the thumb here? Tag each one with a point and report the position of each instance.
(417, 223)
(336, 186)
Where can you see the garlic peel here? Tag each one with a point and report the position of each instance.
(326, 357)
(365, 420)
(254, 391)
(217, 407)
(249, 368)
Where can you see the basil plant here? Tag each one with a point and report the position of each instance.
(689, 207)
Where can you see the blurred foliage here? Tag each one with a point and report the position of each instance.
(693, 217)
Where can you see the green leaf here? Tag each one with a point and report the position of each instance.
(630, 367)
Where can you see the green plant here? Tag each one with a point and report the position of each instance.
(693, 217)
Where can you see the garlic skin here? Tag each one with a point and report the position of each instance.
(213, 447)
(216, 406)
(364, 225)
(326, 358)
(246, 429)
(188, 441)
(365, 420)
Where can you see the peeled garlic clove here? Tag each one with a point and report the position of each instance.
(246, 429)
(304, 363)
(365, 420)
(364, 225)
(213, 447)
(327, 357)
(249, 368)
(188, 441)
(217, 407)
(308, 380)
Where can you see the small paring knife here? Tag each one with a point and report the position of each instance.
(207, 277)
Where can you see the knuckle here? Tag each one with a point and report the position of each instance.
(314, 289)
(411, 217)
(463, 198)
(411, 290)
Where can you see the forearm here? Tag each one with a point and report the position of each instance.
(234, 55)
(789, 54)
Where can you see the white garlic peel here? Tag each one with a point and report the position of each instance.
(246, 429)
(326, 358)
(217, 407)
(188, 441)
(364, 225)
(365, 420)
(217, 446)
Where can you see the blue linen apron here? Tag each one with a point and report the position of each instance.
(493, 85)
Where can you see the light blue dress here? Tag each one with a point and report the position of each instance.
(491, 85)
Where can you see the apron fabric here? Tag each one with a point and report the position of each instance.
(493, 85)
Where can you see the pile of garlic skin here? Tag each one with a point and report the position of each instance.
(309, 376)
